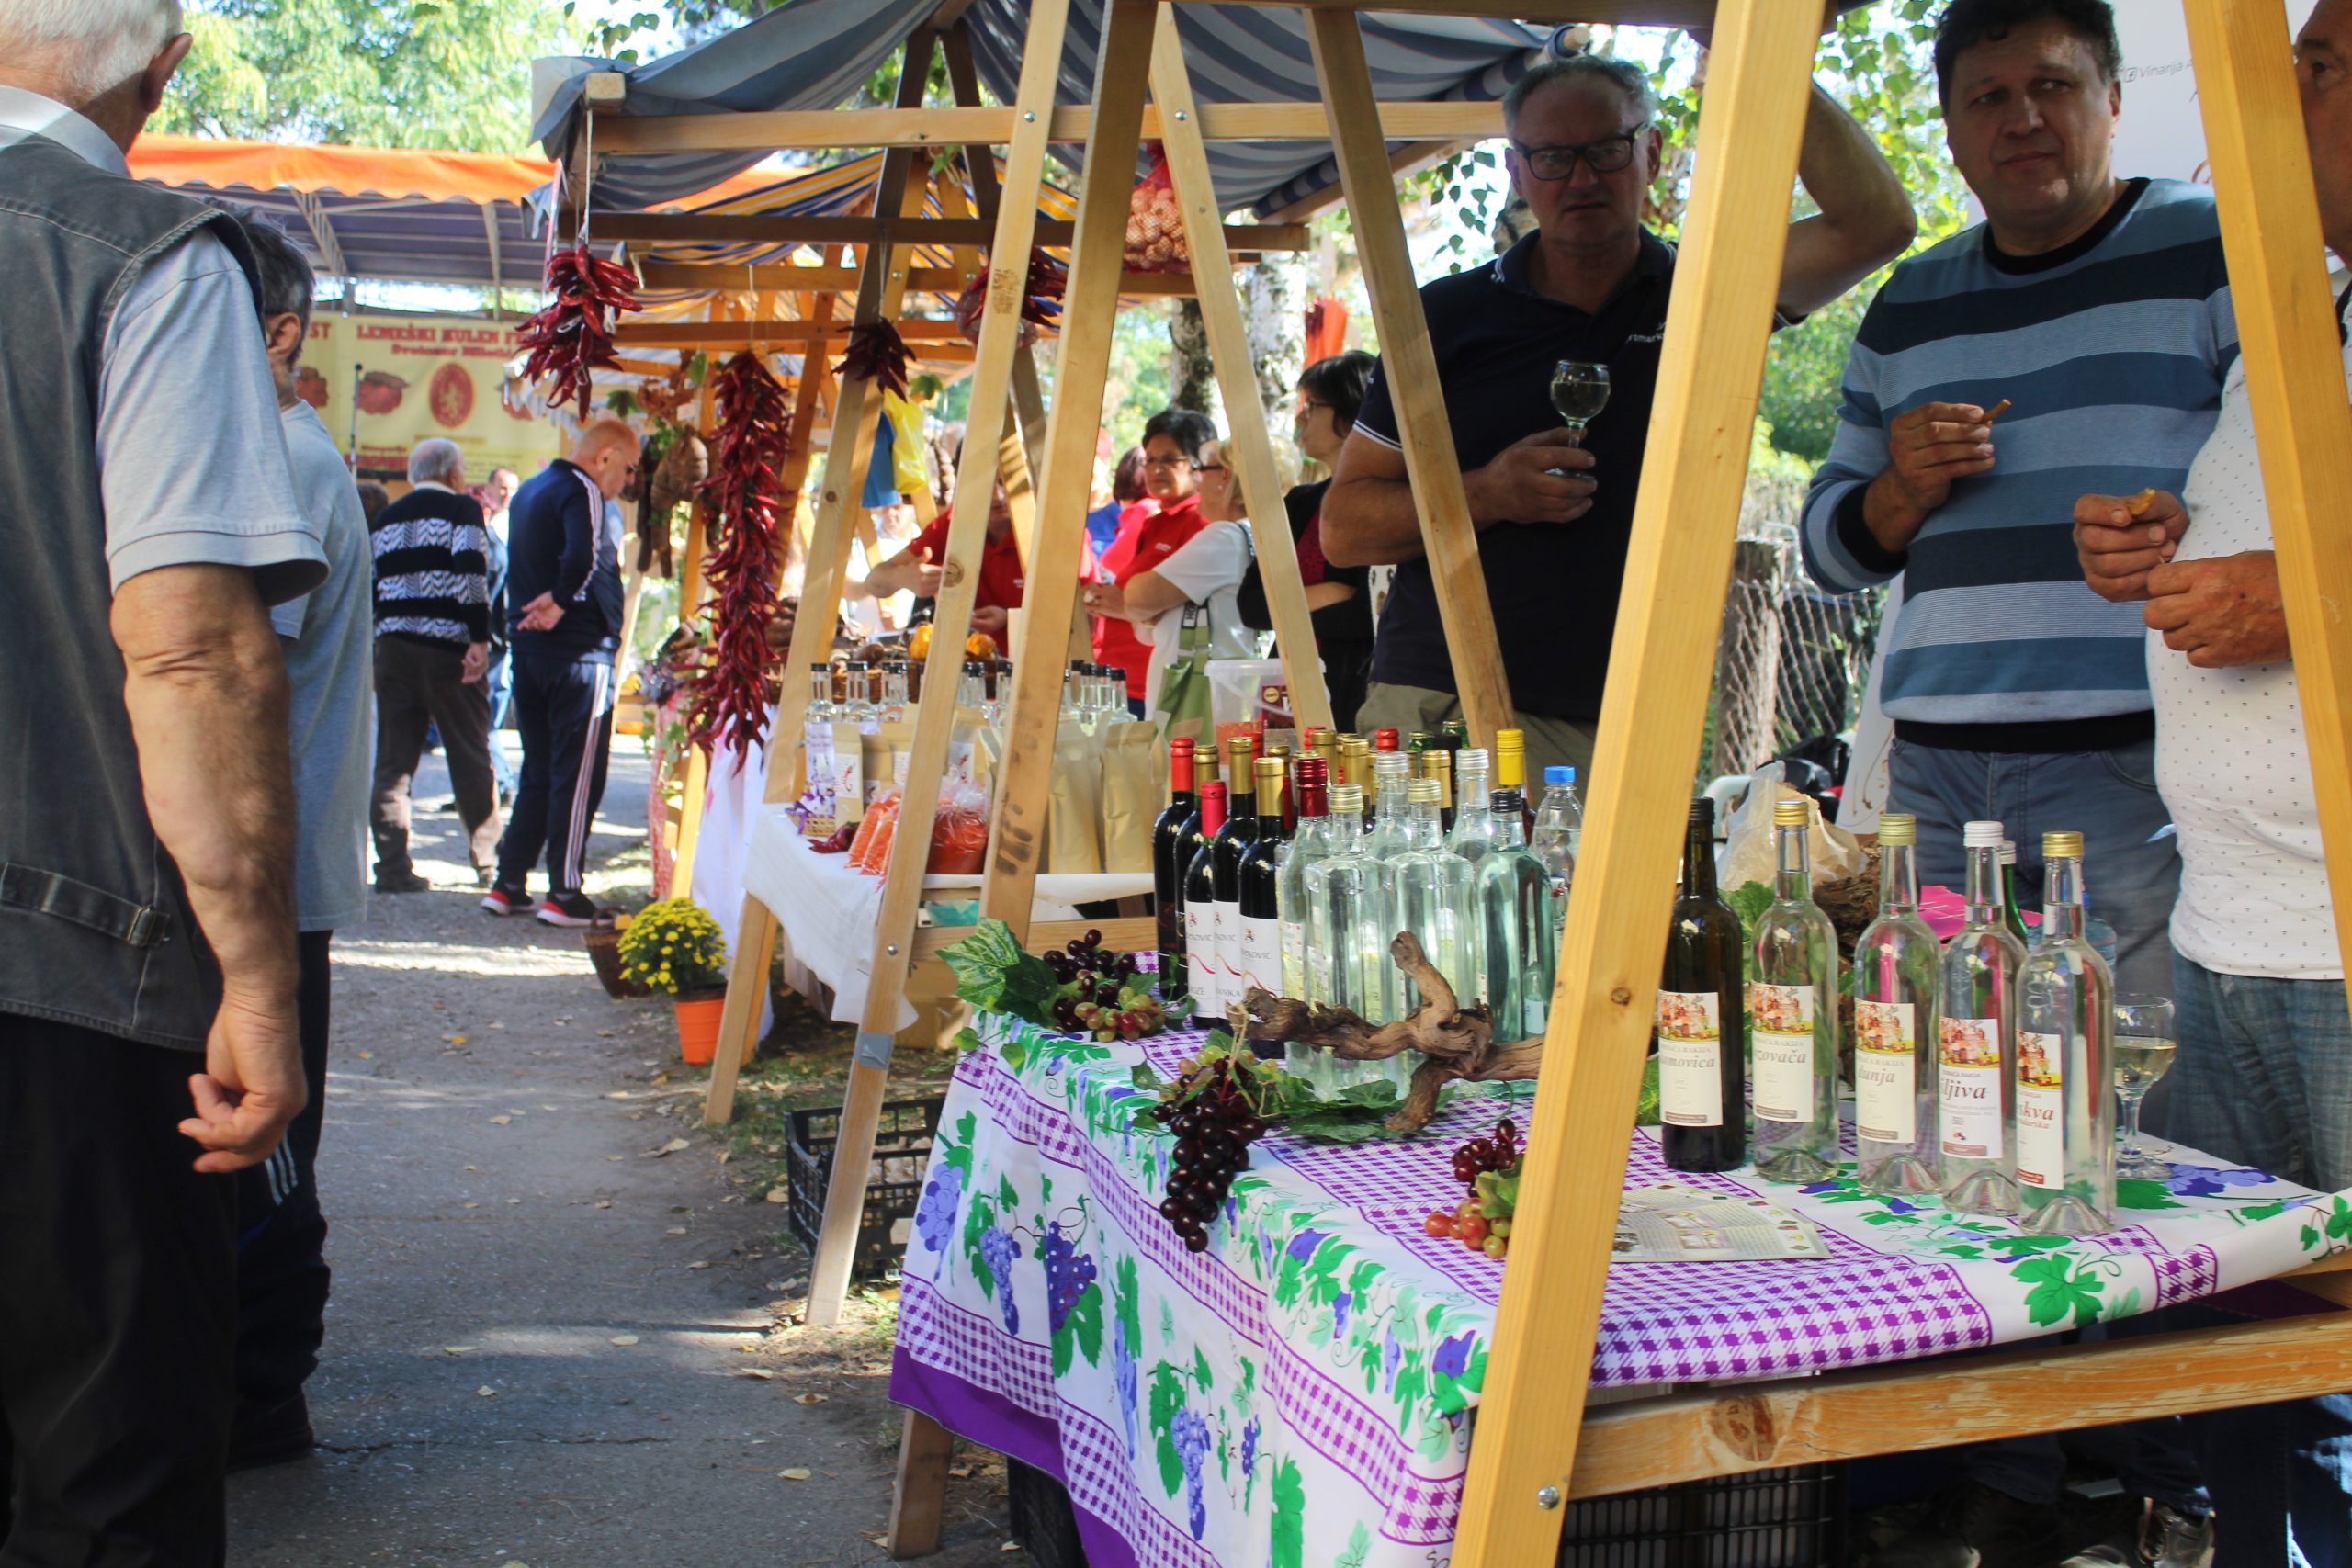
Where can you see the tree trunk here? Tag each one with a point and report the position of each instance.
(1747, 659)
(1192, 375)
(1273, 303)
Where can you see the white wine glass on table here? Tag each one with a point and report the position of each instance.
(1580, 391)
(2144, 1046)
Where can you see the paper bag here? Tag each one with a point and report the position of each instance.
(1131, 795)
(1074, 816)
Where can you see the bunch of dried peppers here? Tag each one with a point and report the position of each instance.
(572, 338)
(878, 352)
(745, 494)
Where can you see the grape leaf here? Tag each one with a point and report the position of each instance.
(1749, 901)
(1645, 1112)
(996, 974)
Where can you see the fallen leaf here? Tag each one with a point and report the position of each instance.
(1010, 1546)
(675, 1230)
(673, 1146)
(760, 1372)
(457, 1350)
(697, 1265)
(795, 1474)
(502, 1121)
(603, 1203)
(615, 1156)
(809, 1398)
(473, 1205)
(547, 1108)
(779, 1195)
(624, 1338)
(512, 1111)
(959, 1470)
(617, 1094)
(487, 1392)
(366, 1055)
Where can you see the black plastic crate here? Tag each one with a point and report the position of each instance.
(1043, 1520)
(1766, 1519)
(901, 1154)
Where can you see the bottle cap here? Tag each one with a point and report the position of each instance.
(1506, 800)
(1391, 765)
(1898, 828)
(1385, 739)
(1510, 740)
(1421, 790)
(1981, 835)
(1240, 747)
(856, 664)
(1703, 813)
(2008, 851)
(1313, 771)
(1419, 740)
(1471, 757)
(1183, 743)
(2057, 846)
(1270, 774)
(1436, 763)
(1347, 800)
(821, 667)
(1792, 813)
(1556, 774)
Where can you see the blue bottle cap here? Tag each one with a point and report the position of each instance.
(1556, 774)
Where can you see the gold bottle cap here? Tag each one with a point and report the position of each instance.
(1898, 828)
(1270, 774)
(1421, 790)
(2057, 846)
(1240, 747)
(1347, 800)
(1437, 764)
(1793, 814)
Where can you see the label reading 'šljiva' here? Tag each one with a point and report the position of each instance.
(1690, 1059)
(2041, 1110)
(1886, 1076)
(1784, 1052)
(1968, 1089)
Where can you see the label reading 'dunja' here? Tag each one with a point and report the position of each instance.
(1968, 1089)
(2041, 1110)
(1690, 1059)
(1782, 1052)
(1886, 1073)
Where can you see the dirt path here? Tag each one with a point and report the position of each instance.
(562, 1328)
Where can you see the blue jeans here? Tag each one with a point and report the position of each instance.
(502, 695)
(2131, 874)
(2264, 1078)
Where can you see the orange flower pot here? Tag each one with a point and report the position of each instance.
(698, 1027)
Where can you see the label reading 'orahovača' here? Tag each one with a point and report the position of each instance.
(2041, 1110)
(1968, 1089)
(1887, 1074)
(1782, 1044)
(1690, 1059)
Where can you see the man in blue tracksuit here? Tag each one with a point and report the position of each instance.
(564, 607)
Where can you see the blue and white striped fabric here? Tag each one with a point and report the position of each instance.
(814, 55)
(2113, 362)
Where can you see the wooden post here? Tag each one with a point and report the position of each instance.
(934, 716)
(1695, 466)
(857, 411)
(2294, 374)
(1447, 536)
(1251, 448)
(693, 793)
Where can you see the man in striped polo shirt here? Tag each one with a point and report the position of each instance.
(432, 554)
(2090, 316)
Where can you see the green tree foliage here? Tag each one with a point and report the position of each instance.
(418, 73)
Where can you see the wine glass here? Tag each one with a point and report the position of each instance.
(1580, 391)
(2144, 1046)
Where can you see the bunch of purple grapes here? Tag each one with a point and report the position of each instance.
(1190, 1435)
(1098, 995)
(998, 1249)
(1499, 1151)
(1214, 1125)
(1068, 1273)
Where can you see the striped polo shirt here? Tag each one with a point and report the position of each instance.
(2112, 351)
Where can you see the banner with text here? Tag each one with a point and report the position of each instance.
(415, 377)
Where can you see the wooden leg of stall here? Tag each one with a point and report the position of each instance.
(919, 1500)
(1017, 229)
(693, 790)
(857, 413)
(1251, 450)
(1449, 540)
(1676, 573)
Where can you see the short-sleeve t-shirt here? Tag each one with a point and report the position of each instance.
(1148, 534)
(1002, 579)
(1553, 586)
(1207, 568)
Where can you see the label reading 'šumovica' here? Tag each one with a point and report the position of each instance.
(2041, 1110)
(1690, 1059)
(1784, 1052)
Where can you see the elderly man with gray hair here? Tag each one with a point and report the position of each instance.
(432, 552)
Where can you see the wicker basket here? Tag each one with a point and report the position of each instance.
(604, 940)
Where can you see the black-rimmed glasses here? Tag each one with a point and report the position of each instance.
(1605, 156)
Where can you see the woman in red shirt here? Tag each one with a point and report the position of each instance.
(1150, 530)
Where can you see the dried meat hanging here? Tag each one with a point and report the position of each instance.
(745, 494)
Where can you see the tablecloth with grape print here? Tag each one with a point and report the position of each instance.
(1319, 1361)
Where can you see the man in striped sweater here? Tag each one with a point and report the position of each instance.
(432, 555)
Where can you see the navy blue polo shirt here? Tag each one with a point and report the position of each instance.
(1553, 585)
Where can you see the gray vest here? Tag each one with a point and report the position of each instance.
(94, 927)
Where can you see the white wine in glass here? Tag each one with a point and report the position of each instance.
(1580, 391)
(2144, 1047)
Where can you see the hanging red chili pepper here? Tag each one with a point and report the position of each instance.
(878, 352)
(1041, 299)
(745, 495)
(573, 337)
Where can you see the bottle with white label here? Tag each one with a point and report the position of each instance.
(1204, 977)
(1701, 1031)
(1976, 1056)
(1347, 951)
(1895, 962)
(1260, 966)
(1794, 1029)
(817, 753)
(2066, 1073)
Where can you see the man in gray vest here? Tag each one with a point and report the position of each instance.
(148, 1042)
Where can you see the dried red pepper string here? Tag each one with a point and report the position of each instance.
(878, 352)
(745, 494)
(1041, 298)
(573, 337)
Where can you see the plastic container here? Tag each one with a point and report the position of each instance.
(1767, 1519)
(901, 1155)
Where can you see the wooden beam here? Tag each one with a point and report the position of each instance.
(785, 335)
(2294, 377)
(1933, 1405)
(1620, 13)
(919, 1500)
(1449, 539)
(1403, 162)
(767, 131)
(735, 228)
(1134, 935)
(1017, 830)
(935, 714)
(1251, 448)
(694, 789)
(779, 279)
(1660, 664)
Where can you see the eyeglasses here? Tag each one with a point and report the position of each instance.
(1210, 467)
(1170, 463)
(1605, 156)
(1306, 406)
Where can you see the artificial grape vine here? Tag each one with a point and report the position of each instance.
(1098, 993)
(1489, 1168)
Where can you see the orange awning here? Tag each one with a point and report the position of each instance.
(396, 174)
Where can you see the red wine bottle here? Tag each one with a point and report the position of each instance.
(1204, 978)
(1701, 1031)
(1168, 865)
(1261, 923)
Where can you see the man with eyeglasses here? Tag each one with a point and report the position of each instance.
(563, 578)
(1555, 517)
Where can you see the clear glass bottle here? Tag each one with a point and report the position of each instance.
(817, 748)
(1515, 925)
(1896, 965)
(1393, 775)
(1437, 765)
(894, 692)
(1430, 895)
(1312, 842)
(1976, 1066)
(1347, 955)
(860, 708)
(1473, 832)
(1794, 1002)
(2066, 1073)
(1558, 833)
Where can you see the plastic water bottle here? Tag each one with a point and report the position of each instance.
(1559, 833)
